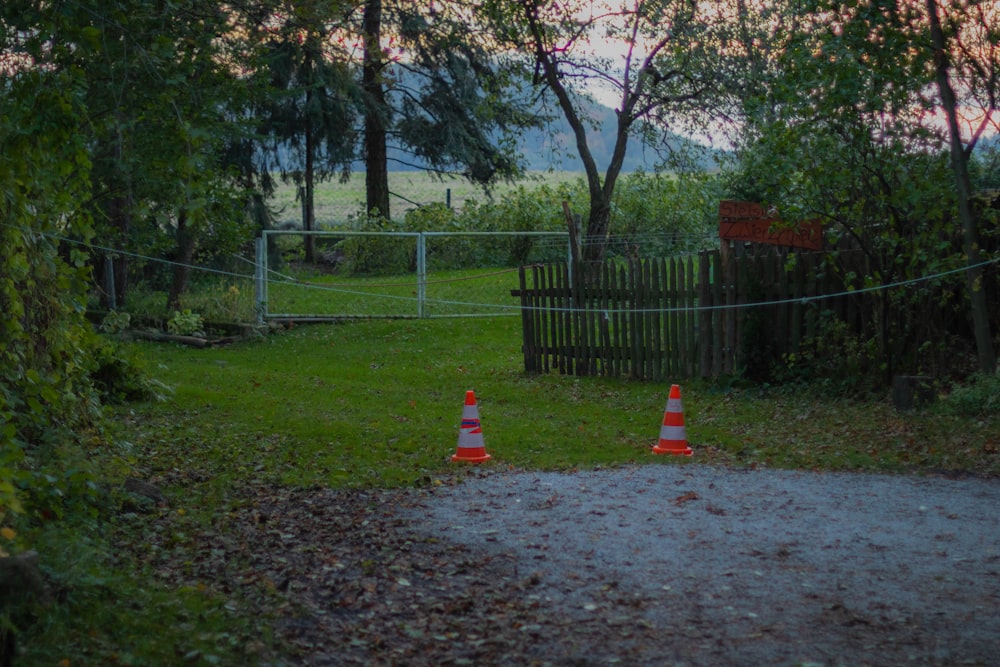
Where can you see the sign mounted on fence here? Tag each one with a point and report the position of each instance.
(747, 221)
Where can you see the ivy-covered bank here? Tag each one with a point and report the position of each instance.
(47, 349)
(56, 373)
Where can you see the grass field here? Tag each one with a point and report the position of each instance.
(378, 402)
(459, 293)
(336, 202)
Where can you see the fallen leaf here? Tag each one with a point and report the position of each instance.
(687, 497)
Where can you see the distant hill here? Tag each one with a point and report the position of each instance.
(555, 147)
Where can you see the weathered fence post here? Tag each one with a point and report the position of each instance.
(260, 278)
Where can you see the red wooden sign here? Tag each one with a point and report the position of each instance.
(747, 221)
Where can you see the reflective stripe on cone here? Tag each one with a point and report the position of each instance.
(471, 447)
(673, 438)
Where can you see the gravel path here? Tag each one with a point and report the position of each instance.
(656, 565)
(699, 565)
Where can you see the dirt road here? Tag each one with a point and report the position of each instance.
(654, 565)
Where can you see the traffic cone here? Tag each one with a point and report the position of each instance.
(470, 436)
(673, 439)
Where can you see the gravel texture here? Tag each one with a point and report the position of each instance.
(654, 565)
(700, 565)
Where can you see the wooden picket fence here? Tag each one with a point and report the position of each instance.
(674, 318)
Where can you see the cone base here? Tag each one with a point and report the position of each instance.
(677, 449)
(474, 456)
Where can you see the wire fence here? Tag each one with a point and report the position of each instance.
(395, 274)
(229, 287)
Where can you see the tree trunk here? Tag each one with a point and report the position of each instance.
(308, 200)
(595, 240)
(119, 214)
(310, 65)
(595, 243)
(599, 224)
(376, 163)
(182, 261)
(960, 167)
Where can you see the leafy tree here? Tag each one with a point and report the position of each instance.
(196, 193)
(385, 74)
(973, 49)
(64, 41)
(54, 371)
(668, 64)
(839, 130)
(162, 101)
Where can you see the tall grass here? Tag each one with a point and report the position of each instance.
(337, 202)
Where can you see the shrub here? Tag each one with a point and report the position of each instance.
(115, 322)
(448, 252)
(377, 256)
(119, 375)
(46, 399)
(979, 397)
(186, 323)
(657, 215)
(833, 356)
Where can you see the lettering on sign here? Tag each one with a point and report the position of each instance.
(748, 221)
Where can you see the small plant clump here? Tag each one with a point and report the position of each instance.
(186, 323)
(115, 322)
(981, 396)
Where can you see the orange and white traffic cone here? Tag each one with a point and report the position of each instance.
(471, 447)
(673, 439)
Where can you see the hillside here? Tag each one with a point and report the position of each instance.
(554, 148)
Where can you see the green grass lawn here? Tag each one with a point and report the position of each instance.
(471, 292)
(482, 291)
(379, 403)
